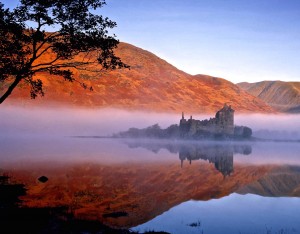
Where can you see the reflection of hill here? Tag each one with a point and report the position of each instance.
(15, 218)
(141, 190)
(280, 182)
(221, 155)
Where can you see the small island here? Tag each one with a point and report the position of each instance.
(221, 127)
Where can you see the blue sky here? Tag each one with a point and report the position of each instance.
(239, 40)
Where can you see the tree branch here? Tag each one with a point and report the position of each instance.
(81, 35)
(44, 51)
(10, 88)
(52, 35)
(59, 65)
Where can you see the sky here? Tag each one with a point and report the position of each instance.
(239, 40)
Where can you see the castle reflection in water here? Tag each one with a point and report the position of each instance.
(220, 154)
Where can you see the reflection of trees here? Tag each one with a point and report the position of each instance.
(9, 193)
(57, 219)
(220, 154)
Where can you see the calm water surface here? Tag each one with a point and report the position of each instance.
(172, 186)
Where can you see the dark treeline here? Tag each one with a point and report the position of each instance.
(154, 131)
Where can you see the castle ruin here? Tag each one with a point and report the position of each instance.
(222, 125)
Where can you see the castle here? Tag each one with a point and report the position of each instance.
(222, 125)
(219, 128)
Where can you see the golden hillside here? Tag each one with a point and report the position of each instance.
(283, 96)
(151, 84)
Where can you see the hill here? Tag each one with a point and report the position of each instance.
(283, 96)
(150, 84)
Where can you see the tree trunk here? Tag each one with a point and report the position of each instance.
(10, 89)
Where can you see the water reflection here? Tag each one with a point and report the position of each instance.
(121, 186)
(220, 154)
(248, 214)
(282, 182)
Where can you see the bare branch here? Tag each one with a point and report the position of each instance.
(43, 51)
(49, 66)
(47, 39)
(46, 64)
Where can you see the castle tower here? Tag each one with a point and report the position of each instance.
(225, 120)
(183, 126)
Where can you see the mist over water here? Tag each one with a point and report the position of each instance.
(73, 122)
(280, 126)
(19, 121)
(145, 176)
(47, 133)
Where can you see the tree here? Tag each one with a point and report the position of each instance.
(24, 40)
(247, 132)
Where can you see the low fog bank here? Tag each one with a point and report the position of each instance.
(76, 122)
(104, 122)
(274, 127)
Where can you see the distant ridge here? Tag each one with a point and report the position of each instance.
(151, 84)
(283, 96)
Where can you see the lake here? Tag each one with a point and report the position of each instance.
(160, 185)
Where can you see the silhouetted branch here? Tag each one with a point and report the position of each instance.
(22, 47)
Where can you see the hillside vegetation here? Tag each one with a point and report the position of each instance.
(151, 84)
(282, 96)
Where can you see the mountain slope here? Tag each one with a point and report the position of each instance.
(283, 96)
(150, 84)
